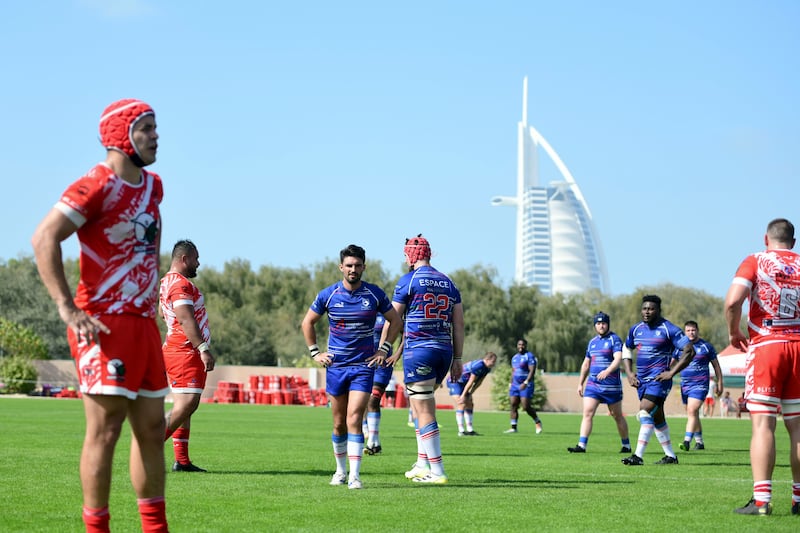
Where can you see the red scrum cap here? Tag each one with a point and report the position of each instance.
(416, 249)
(116, 126)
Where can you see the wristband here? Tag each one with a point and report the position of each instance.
(202, 347)
(314, 350)
(386, 347)
(456, 358)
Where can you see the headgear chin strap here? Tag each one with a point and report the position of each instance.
(117, 123)
(416, 249)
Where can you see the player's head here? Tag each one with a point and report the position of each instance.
(691, 329)
(351, 263)
(601, 317)
(780, 234)
(522, 345)
(490, 359)
(185, 258)
(117, 126)
(353, 250)
(602, 322)
(417, 249)
(651, 308)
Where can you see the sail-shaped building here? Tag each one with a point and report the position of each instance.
(557, 246)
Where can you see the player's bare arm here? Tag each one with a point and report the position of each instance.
(47, 238)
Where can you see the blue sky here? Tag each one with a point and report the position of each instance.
(289, 130)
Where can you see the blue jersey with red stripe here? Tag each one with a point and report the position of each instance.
(600, 352)
(429, 297)
(477, 367)
(696, 374)
(654, 346)
(351, 316)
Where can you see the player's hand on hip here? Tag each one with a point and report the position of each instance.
(82, 324)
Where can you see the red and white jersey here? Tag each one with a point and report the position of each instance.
(119, 226)
(773, 278)
(177, 290)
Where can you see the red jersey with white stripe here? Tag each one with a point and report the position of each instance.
(119, 227)
(773, 278)
(177, 290)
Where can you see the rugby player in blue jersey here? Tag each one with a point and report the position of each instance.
(383, 374)
(352, 306)
(461, 390)
(433, 342)
(600, 382)
(654, 339)
(521, 389)
(695, 382)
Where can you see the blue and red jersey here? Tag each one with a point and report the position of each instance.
(429, 297)
(351, 317)
(654, 346)
(600, 352)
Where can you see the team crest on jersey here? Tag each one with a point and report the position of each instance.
(116, 369)
(145, 228)
(365, 303)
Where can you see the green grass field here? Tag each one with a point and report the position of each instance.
(269, 468)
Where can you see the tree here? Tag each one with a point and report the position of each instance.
(24, 300)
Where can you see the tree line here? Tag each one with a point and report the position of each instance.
(255, 314)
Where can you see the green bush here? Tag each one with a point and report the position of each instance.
(500, 382)
(17, 340)
(18, 374)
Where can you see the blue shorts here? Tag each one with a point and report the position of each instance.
(342, 379)
(698, 393)
(658, 389)
(422, 364)
(514, 389)
(382, 376)
(455, 387)
(606, 396)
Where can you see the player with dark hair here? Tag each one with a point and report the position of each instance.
(521, 389)
(654, 339)
(433, 344)
(600, 382)
(187, 354)
(771, 281)
(695, 383)
(111, 323)
(462, 389)
(352, 306)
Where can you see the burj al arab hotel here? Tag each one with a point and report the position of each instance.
(557, 246)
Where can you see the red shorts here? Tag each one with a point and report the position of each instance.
(126, 362)
(185, 370)
(709, 400)
(772, 380)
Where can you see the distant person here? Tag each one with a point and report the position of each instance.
(654, 339)
(741, 405)
(352, 306)
(600, 382)
(433, 344)
(770, 280)
(462, 389)
(521, 389)
(727, 405)
(111, 323)
(391, 391)
(383, 375)
(696, 385)
(709, 402)
(187, 354)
